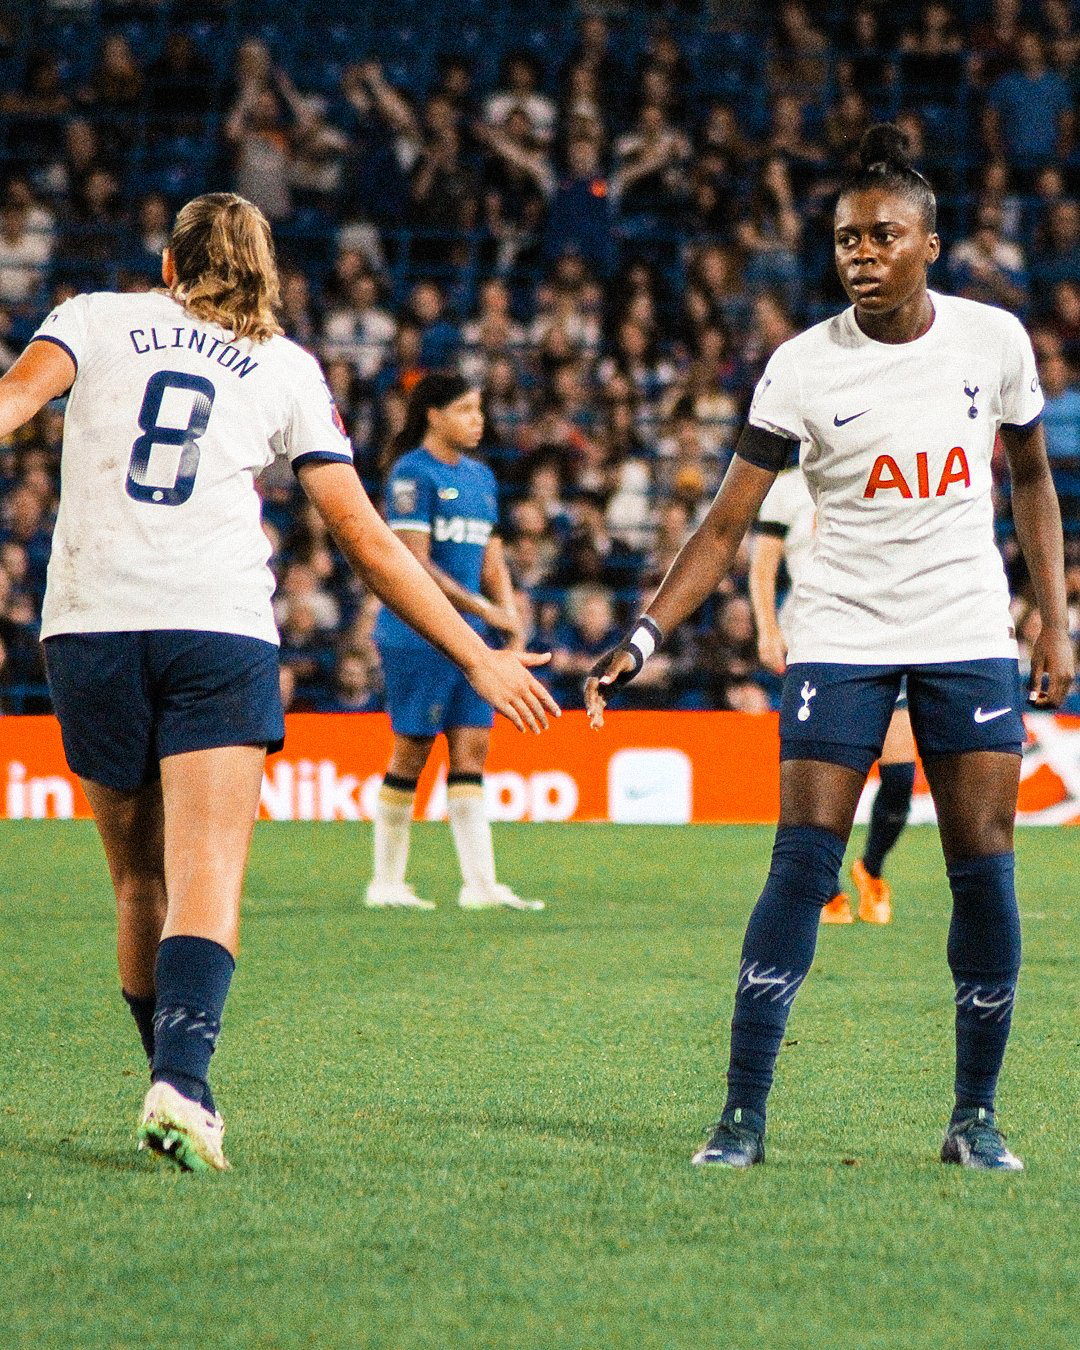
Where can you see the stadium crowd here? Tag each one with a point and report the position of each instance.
(607, 216)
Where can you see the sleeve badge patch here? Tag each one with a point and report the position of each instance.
(403, 495)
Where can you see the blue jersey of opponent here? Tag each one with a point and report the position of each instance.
(454, 503)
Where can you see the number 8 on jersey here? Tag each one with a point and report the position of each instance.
(186, 438)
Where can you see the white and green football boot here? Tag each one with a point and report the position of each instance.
(182, 1131)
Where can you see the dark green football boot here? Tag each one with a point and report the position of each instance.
(737, 1141)
(974, 1140)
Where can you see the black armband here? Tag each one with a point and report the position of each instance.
(766, 449)
(772, 528)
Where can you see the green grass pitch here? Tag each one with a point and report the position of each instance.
(474, 1130)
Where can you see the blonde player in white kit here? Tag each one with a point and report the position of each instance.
(160, 644)
(893, 407)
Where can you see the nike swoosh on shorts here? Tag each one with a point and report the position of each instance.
(980, 716)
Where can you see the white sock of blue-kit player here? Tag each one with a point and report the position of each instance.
(472, 833)
(393, 824)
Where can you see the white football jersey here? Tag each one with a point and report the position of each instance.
(896, 443)
(788, 510)
(168, 423)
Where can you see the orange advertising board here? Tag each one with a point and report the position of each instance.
(643, 767)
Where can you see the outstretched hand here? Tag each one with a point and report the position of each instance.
(503, 680)
(609, 673)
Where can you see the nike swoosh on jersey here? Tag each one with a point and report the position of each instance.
(838, 421)
(980, 716)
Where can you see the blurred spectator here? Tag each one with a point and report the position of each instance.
(179, 87)
(994, 42)
(306, 650)
(1029, 118)
(1059, 33)
(262, 152)
(354, 687)
(591, 632)
(728, 653)
(798, 53)
(866, 62)
(1063, 319)
(34, 109)
(361, 330)
(25, 250)
(300, 589)
(438, 335)
(519, 93)
(297, 312)
(930, 54)
(1058, 258)
(1061, 418)
(769, 233)
(650, 177)
(581, 209)
(987, 267)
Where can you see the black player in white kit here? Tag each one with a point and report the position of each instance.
(893, 407)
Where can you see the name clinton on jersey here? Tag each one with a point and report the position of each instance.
(193, 339)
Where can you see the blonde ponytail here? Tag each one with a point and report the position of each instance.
(226, 271)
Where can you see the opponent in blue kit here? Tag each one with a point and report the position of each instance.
(893, 408)
(160, 643)
(443, 504)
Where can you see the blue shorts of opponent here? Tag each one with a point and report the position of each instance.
(426, 693)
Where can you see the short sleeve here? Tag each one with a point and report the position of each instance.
(410, 499)
(67, 326)
(315, 433)
(776, 403)
(1021, 393)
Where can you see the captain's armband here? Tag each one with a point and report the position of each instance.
(766, 449)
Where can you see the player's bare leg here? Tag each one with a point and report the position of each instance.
(975, 795)
(131, 826)
(209, 799)
(470, 826)
(393, 826)
(817, 807)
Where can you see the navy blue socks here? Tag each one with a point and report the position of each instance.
(142, 1009)
(777, 952)
(192, 977)
(889, 814)
(984, 957)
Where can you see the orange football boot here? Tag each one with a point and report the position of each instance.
(838, 910)
(875, 895)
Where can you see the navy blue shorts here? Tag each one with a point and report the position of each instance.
(426, 693)
(840, 713)
(126, 701)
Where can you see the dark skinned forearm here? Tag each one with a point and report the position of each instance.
(1038, 521)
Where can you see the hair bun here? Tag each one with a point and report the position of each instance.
(885, 146)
